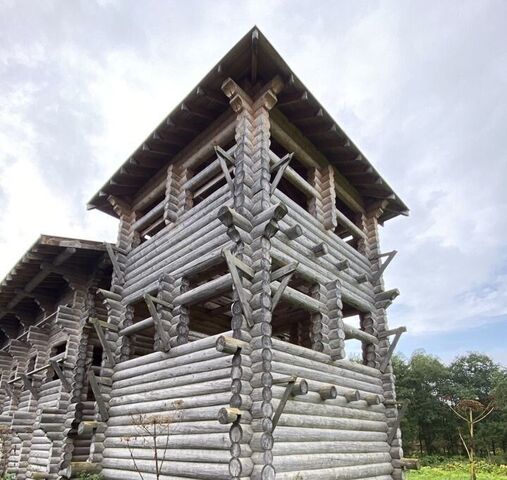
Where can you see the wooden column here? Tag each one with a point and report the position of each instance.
(323, 205)
(252, 199)
(335, 320)
(378, 320)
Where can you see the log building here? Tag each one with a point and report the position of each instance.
(247, 264)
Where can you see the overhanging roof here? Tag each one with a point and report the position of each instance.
(255, 58)
(35, 273)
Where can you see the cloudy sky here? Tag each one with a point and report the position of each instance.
(421, 87)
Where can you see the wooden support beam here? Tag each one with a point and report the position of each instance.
(105, 325)
(230, 345)
(89, 427)
(385, 264)
(328, 392)
(230, 217)
(226, 173)
(389, 354)
(343, 265)
(92, 379)
(163, 335)
(104, 343)
(114, 261)
(238, 263)
(362, 278)
(352, 395)
(59, 373)
(400, 414)
(293, 232)
(294, 387)
(136, 327)
(320, 249)
(284, 274)
(221, 153)
(229, 415)
(353, 332)
(254, 63)
(280, 168)
(28, 385)
(238, 286)
(350, 225)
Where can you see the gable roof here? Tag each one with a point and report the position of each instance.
(254, 57)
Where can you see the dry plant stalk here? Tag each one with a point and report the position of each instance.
(473, 413)
(153, 427)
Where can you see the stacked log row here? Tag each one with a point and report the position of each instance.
(345, 434)
(197, 232)
(324, 268)
(181, 391)
(380, 317)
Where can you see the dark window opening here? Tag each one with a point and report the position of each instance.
(293, 323)
(212, 315)
(285, 186)
(142, 341)
(57, 349)
(355, 349)
(342, 230)
(97, 356)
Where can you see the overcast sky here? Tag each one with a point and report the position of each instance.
(421, 87)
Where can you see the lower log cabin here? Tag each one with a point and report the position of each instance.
(247, 263)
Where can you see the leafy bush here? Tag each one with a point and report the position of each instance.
(91, 476)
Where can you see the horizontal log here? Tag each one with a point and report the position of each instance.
(136, 327)
(356, 333)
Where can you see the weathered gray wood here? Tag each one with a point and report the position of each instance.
(56, 368)
(104, 343)
(98, 396)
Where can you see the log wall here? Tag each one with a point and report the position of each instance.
(184, 390)
(347, 438)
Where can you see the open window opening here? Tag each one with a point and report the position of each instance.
(347, 228)
(208, 177)
(141, 333)
(291, 321)
(57, 351)
(291, 187)
(356, 339)
(212, 315)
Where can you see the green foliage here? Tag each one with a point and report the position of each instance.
(430, 427)
(438, 467)
(91, 476)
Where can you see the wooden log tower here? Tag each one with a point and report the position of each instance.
(246, 273)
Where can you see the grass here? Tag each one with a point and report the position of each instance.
(457, 470)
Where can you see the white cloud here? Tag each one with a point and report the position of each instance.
(420, 88)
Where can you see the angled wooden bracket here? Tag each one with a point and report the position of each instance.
(399, 417)
(92, 379)
(397, 334)
(234, 264)
(28, 385)
(114, 260)
(103, 341)
(223, 158)
(157, 321)
(280, 167)
(385, 264)
(284, 274)
(59, 373)
(293, 388)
